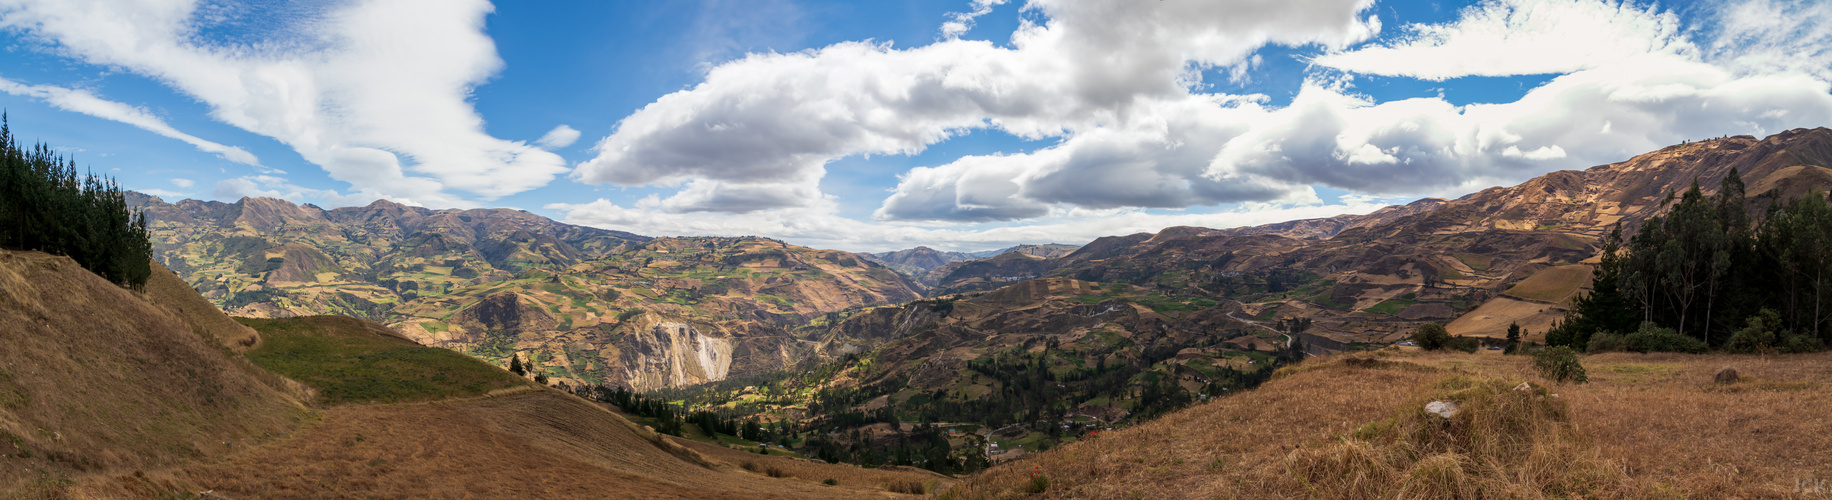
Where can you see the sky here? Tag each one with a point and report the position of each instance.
(872, 126)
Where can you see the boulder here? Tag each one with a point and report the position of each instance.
(1444, 409)
(1726, 376)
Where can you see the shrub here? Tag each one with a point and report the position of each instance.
(1431, 337)
(1759, 336)
(1653, 338)
(1607, 342)
(1464, 344)
(1559, 364)
(829, 482)
(1797, 343)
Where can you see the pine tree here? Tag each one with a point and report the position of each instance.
(515, 365)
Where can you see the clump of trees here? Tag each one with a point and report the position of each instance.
(46, 206)
(1707, 276)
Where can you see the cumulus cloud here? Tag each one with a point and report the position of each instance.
(373, 91)
(780, 118)
(85, 102)
(1522, 37)
(560, 137)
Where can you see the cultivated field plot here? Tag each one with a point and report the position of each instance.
(1553, 284)
(1493, 317)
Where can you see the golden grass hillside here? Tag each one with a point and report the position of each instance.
(401, 420)
(1646, 426)
(96, 378)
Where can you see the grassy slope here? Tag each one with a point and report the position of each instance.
(1646, 426)
(350, 360)
(442, 430)
(95, 378)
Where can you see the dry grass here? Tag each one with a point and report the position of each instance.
(95, 378)
(529, 444)
(891, 479)
(1648, 426)
(1553, 284)
(1492, 318)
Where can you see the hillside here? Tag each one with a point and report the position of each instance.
(1042, 361)
(1645, 426)
(98, 378)
(586, 305)
(1371, 278)
(108, 393)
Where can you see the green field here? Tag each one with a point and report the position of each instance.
(348, 363)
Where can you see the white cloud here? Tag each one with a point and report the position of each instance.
(1522, 37)
(184, 183)
(85, 102)
(163, 194)
(268, 186)
(780, 118)
(960, 22)
(1116, 85)
(1774, 36)
(818, 226)
(376, 92)
(560, 137)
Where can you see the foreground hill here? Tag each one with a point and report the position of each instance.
(585, 305)
(1646, 426)
(109, 393)
(94, 377)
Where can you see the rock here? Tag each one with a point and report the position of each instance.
(1524, 387)
(1444, 409)
(1726, 376)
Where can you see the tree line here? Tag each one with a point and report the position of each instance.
(1708, 275)
(46, 206)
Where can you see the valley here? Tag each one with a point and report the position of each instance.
(406, 352)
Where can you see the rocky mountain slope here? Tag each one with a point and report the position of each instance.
(582, 303)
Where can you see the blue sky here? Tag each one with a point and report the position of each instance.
(964, 124)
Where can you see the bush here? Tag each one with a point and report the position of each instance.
(1796, 343)
(1607, 342)
(1759, 336)
(1464, 344)
(1431, 337)
(1653, 338)
(829, 482)
(1559, 364)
